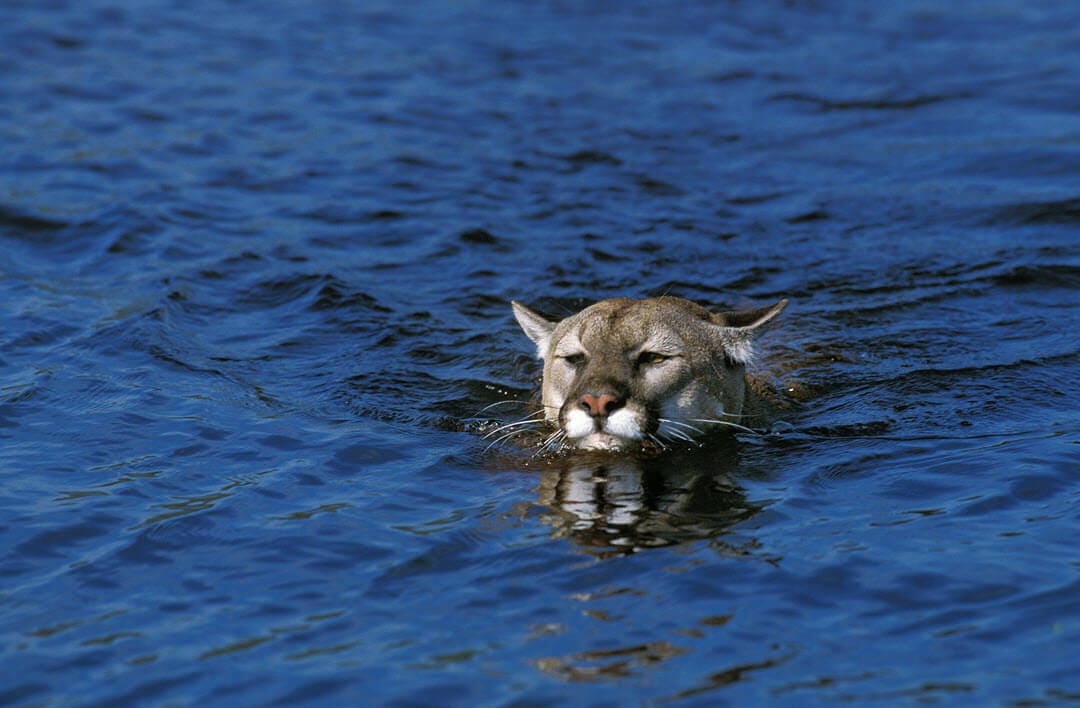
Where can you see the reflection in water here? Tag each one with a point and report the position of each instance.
(617, 505)
(622, 504)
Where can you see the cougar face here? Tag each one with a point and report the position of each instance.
(623, 371)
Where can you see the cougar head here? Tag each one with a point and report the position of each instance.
(623, 371)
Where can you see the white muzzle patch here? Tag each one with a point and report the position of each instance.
(616, 431)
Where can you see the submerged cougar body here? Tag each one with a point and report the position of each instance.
(622, 371)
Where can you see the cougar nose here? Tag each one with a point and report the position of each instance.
(599, 406)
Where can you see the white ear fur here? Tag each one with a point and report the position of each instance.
(535, 326)
(738, 344)
(738, 340)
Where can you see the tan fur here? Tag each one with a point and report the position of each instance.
(622, 371)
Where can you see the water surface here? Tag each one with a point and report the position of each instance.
(256, 262)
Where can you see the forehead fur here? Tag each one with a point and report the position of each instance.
(624, 319)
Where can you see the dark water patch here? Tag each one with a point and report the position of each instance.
(278, 292)
(753, 199)
(1004, 165)
(148, 690)
(479, 237)
(1041, 277)
(398, 387)
(86, 240)
(1066, 211)
(136, 240)
(230, 266)
(852, 430)
(51, 543)
(387, 215)
(658, 187)
(23, 691)
(323, 689)
(584, 158)
(816, 215)
(167, 357)
(605, 257)
(366, 455)
(826, 105)
(48, 333)
(18, 224)
(716, 295)
(239, 178)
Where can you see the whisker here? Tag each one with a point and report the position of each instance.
(678, 430)
(551, 442)
(682, 424)
(516, 424)
(528, 419)
(514, 429)
(504, 437)
(721, 411)
(499, 403)
(655, 439)
(678, 435)
(689, 440)
(725, 422)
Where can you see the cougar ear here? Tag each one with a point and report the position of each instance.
(749, 318)
(536, 327)
(737, 330)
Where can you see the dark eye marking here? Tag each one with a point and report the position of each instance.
(651, 358)
(574, 359)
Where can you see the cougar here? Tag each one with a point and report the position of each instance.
(622, 373)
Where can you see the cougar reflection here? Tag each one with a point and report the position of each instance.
(626, 503)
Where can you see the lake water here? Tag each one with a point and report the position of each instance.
(255, 266)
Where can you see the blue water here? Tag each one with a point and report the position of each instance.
(255, 265)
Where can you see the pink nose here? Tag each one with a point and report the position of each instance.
(599, 406)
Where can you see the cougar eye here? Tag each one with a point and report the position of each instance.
(574, 359)
(651, 358)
